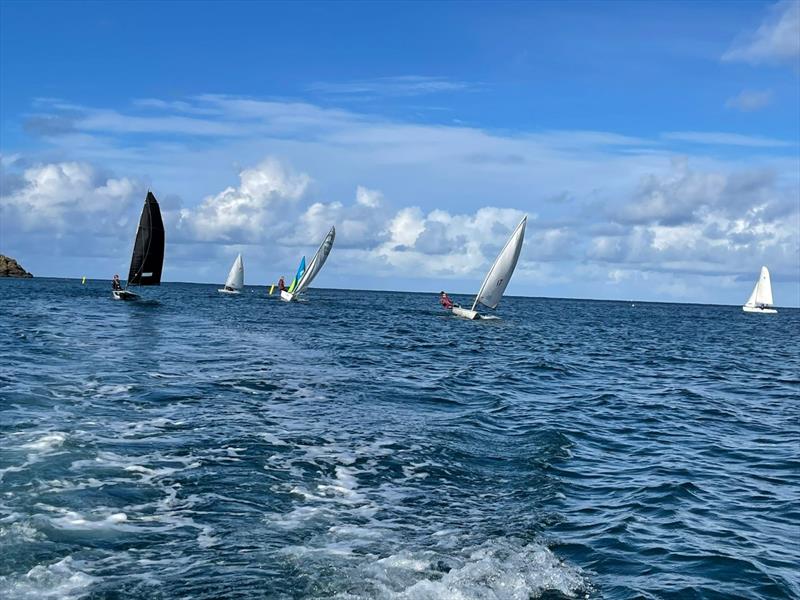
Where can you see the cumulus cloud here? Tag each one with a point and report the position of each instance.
(750, 100)
(776, 40)
(604, 202)
(685, 195)
(252, 212)
(442, 243)
(697, 221)
(68, 198)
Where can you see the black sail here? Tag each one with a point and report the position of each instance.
(148, 249)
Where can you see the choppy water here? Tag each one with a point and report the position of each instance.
(365, 445)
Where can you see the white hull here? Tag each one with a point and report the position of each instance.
(224, 291)
(124, 295)
(286, 296)
(756, 309)
(465, 313)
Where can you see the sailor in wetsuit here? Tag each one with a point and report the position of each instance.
(281, 284)
(116, 285)
(445, 301)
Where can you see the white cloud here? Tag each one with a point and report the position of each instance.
(776, 40)
(719, 138)
(405, 85)
(703, 222)
(251, 212)
(368, 198)
(629, 209)
(67, 198)
(750, 100)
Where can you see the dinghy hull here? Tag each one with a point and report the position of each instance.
(224, 291)
(465, 313)
(286, 296)
(756, 309)
(124, 295)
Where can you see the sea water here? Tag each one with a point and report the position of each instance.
(369, 445)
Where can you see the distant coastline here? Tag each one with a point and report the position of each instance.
(9, 267)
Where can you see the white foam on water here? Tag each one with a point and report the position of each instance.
(113, 390)
(57, 580)
(14, 528)
(73, 520)
(295, 518)
(272, 439)
(47, 442)
(497, 570)
(344, 486)
(205, 539)
(36, 450)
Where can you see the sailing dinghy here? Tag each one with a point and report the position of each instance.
(305, 275)
(235, 281)
(148, 251)
(760, 301)
(498, 276)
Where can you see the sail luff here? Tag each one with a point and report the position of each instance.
(751, 301)
(502, 269)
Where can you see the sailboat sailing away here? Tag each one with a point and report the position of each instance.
(760, 301)
(148, 251)
(235, 281)
(498, 276)
(305, 275)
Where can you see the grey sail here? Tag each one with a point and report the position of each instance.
(316, 263)
(499, 275)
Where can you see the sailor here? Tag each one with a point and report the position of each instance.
(445, 301)
(115, 283)
(281, 284)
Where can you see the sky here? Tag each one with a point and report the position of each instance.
(655, 147)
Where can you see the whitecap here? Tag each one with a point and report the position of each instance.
(57, 580)
(49, 441)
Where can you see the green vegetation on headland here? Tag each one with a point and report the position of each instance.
(11, 268)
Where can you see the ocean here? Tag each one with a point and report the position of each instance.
(368, 445)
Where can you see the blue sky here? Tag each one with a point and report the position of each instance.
(654, 145)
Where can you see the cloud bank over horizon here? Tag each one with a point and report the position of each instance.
(679, 220)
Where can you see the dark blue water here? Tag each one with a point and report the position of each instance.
(366, 445)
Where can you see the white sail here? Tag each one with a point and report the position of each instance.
(764, 289)
(236, 276)
(316, 263)
(761, 295)
(499, 275)
(751, 301)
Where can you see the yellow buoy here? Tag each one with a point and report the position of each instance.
(272, 287)
(83, 281)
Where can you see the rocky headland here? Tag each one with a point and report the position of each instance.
(11, 268)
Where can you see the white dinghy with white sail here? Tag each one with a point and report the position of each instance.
(235, 281)
(498, 276)
(306, 274)
(760, 300)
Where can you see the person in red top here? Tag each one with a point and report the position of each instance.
(445, 301)
(281, 284)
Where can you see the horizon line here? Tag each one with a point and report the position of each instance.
(631, 300)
